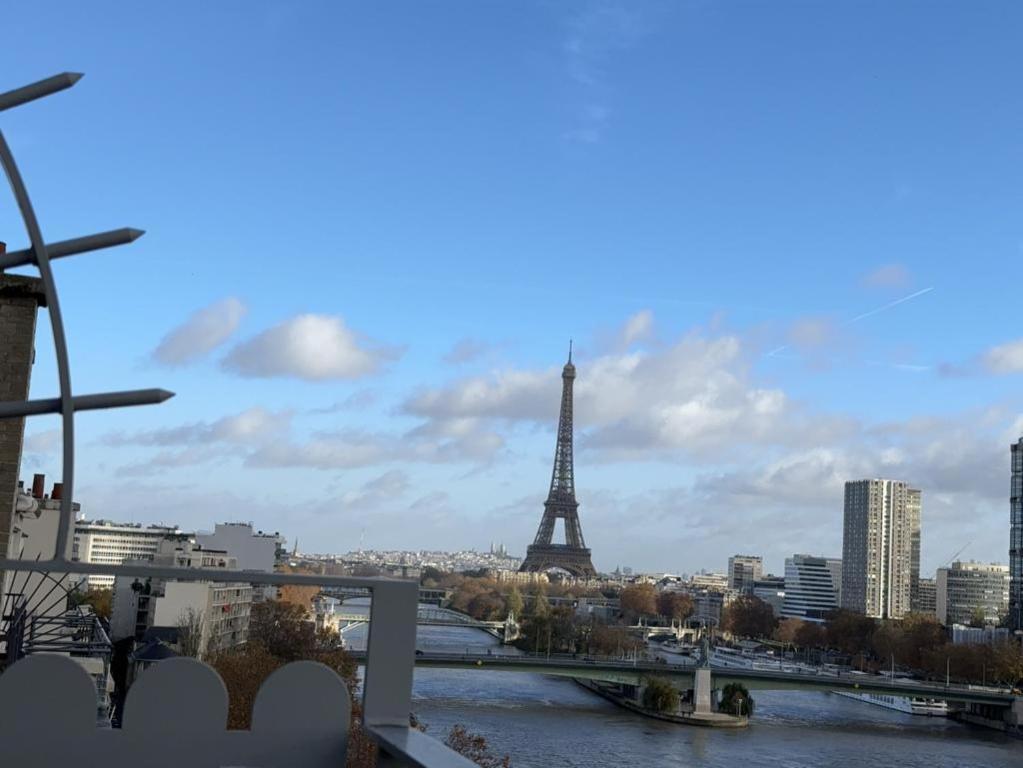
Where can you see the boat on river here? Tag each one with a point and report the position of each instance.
(915, 705)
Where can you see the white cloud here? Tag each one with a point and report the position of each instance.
(249, 426)
(594, 35)
(205, 330)
(349, 449)
(357, 401)
(382, 489)
(888, 276)
(1005, 358)
(693, 398)
(812, 332)
(47, 441)
(637, 328)
(465, 351)
(311, 347)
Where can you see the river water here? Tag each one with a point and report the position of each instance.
(547, 722)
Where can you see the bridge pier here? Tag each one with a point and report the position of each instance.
(703, 692)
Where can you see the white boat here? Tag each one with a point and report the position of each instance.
(915, 705)
(673, 647)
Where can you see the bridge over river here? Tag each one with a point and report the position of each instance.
(506, 631)
(632, 673)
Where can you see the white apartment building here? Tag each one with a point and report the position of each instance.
(813, 586)
(109, 543)
(33, 536)
(222, 608)
(253, 550)
(224, 611)
(880, 548)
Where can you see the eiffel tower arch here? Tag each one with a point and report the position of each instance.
(572, 556)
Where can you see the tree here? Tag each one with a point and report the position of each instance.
(283, 629)
(787, 630)
(475, 748)
(244, 669)
(917, 633)
(748, 616)
(541, 607)
(190, 630)
(515, 603)
(978, 618)
(638, 600)
(611, 641)
(659, 695)
(1007, 664)
(430, 576)
(675, 605)
(101, 600)
(487, 606)
(298, 594)
(850, 632)
(735, 700)
(810, 635)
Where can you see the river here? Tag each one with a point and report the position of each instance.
(548, 722)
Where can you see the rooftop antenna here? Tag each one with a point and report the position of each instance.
(569, 350)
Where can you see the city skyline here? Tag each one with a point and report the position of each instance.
(745, 345)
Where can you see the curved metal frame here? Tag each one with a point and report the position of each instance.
(40, 254)
(67, 410)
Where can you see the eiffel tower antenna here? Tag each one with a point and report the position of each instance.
(572, 556)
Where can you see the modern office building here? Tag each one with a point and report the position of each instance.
(108, 543)
(1016, 537)
(743, 570)
(771, 589)
(926, 597)
(880, 547)
(813, 586)
(966, 591)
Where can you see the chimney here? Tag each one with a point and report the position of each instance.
(38, 486)
(58, 490)
(3, 247)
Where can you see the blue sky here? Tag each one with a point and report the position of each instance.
(372, 229)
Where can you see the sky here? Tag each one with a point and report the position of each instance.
(786, 239)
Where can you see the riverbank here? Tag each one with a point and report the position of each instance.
(706, 720)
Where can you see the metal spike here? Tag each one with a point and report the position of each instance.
(16, 408)
(38, 90)
(73, 246)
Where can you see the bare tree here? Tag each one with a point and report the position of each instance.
(190, 630)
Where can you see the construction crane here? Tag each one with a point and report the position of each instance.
(959, 552)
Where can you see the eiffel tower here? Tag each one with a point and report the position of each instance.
(572, 556)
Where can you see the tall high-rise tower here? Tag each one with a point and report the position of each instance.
(1016, 537)
(572, 556)
(880, 548)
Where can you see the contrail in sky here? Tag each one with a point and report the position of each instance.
(865, 315)
(889, 305)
